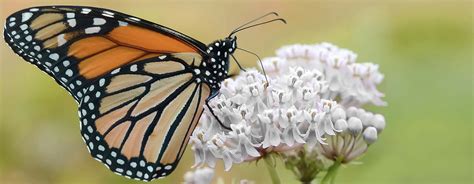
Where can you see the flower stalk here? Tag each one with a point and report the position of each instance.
(270, 163)
(304, 165)
(330, 176)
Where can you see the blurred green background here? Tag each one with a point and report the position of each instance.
(424, 49)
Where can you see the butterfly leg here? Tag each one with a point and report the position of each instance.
(230, 76)
(217, 118)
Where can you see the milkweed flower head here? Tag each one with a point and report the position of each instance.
(354, 83)
(315, 93)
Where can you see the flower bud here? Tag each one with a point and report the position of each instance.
(338, 113)
(354, 125)
(341, 125)
(378, 122)
(370, 135)
(351, 111)
(366, 119)
(360, 113)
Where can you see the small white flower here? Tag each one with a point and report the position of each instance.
(354, 125)
(370, 135)
(355, 83)
(241, 133)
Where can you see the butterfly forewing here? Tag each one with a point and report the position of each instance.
(137, 119)
(76, 45)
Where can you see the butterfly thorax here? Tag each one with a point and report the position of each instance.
(215, 67)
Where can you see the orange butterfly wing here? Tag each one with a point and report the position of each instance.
(139, 98)
(76, 45)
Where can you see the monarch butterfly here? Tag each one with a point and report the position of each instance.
(140, 86)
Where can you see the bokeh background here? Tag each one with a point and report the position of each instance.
(424, 48)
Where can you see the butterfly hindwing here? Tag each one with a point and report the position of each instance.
(137, 119)
(76, 45)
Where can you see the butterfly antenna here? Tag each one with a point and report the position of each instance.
(261, 64)
(266, 22)
(240, 66)
(256, 19)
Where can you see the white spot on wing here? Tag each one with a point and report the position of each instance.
(101, 82)
(72, 22)
(133, 68)
(120, 161)
(122, 23)
(134, 18)
(28, 38)
(26, 16)
(108, 14)
(92, 30)
(99, 21)
(69, 72)
(66, 63)
(54, 56)
(23, 26)
(70, 15)
(91, 106)
(115, 71)
(86, 99)
(85, 10)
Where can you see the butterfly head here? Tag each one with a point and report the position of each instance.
(219, 48)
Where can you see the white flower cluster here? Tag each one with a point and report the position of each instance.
(354, 83)
(357, 130)
(312, 91)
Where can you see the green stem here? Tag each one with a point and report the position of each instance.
(332, 171)
(271, 169)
